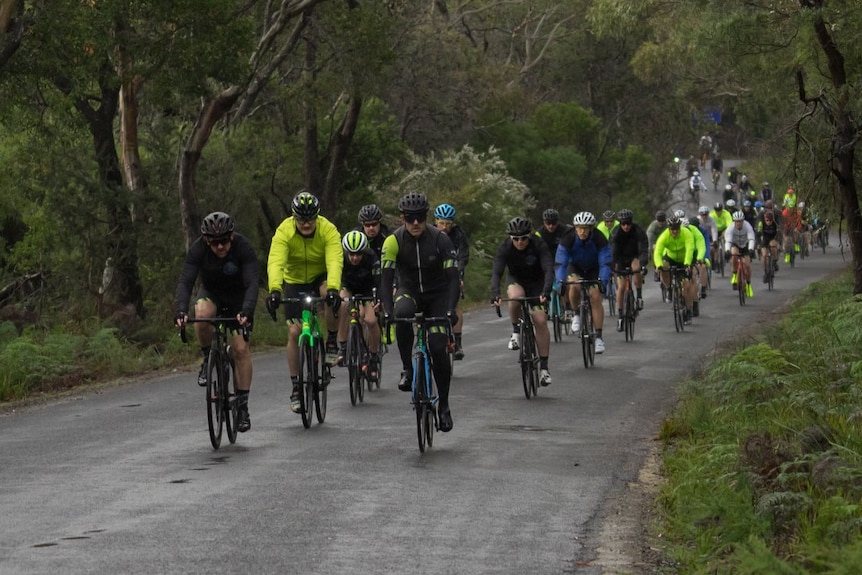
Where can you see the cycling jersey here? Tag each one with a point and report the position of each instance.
(626, 246)
(767, 232)
(361, 279)
(375, 243)
(552, 239)
(679, 248)
(791, 220)
(722, 219)
(532, 267)
(742, 237)
(696, 183)
(606, 231)
(231, 280)
(295, 259)
(701, 253)
(654, 230)
(425, 265)
(462, 247)
(707, 224)
(590, 258)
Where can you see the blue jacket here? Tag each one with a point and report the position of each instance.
(584, 256)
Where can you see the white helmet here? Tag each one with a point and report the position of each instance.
(584, 219)
(738, 216)
(680, 214)
(703, 210)
(696, 173)
(731, 203)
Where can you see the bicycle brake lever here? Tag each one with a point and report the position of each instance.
(183, 337)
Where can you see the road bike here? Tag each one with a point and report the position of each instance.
(423, 396)
(717, 257)
(769, 273)
(588, 331)
(315, 373)
(739, 275)
(221, 396)
(528, 354)
(611, 297)
(358, 355)
(557, 316)
(675, 292)
(716, 177)
(630, 310)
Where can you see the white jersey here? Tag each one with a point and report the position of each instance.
(741, 237)
(710, 226)
(696, 183)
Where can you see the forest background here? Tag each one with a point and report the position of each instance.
(123, 122)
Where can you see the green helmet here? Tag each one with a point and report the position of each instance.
(354, 242)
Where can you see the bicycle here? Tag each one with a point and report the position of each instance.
(358, 356)
(718, 257)
(630, 310)
(557, 317)
(716, 177)
(611, 297)
(528, 354)
(315, 373)
(677, 274)
(423, 396)
(739, 274)
(769, 274)
(221, 379)
(588, 332)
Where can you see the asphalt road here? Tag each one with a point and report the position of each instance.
(124, 480)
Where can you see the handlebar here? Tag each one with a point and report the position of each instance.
(243, 329)
(517, 299)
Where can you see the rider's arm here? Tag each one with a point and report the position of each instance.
(750, 232)
(499, 265)
(689, 246)
(547, 266)
(561, 258)
(447, 251)
(278, 253)
(333, 254)
(658, 252)
(250, 274)
(189, 274)
(387, 271)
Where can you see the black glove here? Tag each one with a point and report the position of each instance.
(727, 256)
(495, 299)
(332, 298)
(546, 296)
(181, 318)
(452, 317)
(602, 288)
(385, 322)
(272, 303)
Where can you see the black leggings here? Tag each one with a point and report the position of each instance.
(434, 305)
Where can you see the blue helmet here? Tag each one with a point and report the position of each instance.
(445, 212)
(758, 204)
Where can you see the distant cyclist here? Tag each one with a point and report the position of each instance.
(530, 274)
(675, 247)
(444, 215)
(551, 231)
(739, 242)
(629, 249)
(769, 234)
(653, 231)
(371, 224)
(227, 265)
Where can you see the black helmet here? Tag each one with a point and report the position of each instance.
(370, 213)
(551, 216)
(625, 216)
(413, 203)
(519, 227)
(608, 215)
(305, 206)
(674, 222)
(661, 216)
(217, 224)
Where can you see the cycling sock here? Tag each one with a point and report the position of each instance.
(242, 397)
(599, 333)
(294, 379)
(620, 312)
(516, 328)
(205, 351)
(331, 335)
(638, 292)
(457, 339)
(543, 362)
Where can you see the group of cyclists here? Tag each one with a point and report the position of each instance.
(417, 267)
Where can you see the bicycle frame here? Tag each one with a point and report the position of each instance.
(314, 373)
(357, 358)
(528, 354)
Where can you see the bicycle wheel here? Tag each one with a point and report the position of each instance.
(721, 264)
(629, 312)
(354, 367)
(556, 318)
(678, 308)
(532, 356)
(214, 397)
(588, 338)
(611, 297)
(321, 385)
(420, 404)
(230, 397)
(306, 382)
(524, 361)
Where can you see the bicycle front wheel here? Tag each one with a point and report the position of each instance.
(524, 361)
(678, 310)
(229, 399)
(321, 385)
(420, 404)
(354, 368)
(556, 318)
(306, 382)
(740, 286)
(588, 336)
(215, 413)
(629, 316)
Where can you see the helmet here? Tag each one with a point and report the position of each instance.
(683, 221)
(305, 206)
(609, 215)
(738, 216)
(661, 216)
(674, 222)
(370, 213)
(695, 173)
(768, 204)
(768, 214)
(746, 204)
(731, 203)
(413, 203)
(519, 226)
(790, 191)
(719, 206)
(551, 215)
(354, 242)
(744, 177)
(679, 214)
(765, 184)
(217, 224)
(728, 187)
(584, 219)
(758, 204)
(703, 210)
(625, 216)
(801, 204)
(445, 212)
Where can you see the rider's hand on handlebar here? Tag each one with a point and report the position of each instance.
(181, 318)
(272, 303)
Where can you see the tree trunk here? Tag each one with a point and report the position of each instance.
(11, 29)
(311, 155)
(214, 110)
(339, 148)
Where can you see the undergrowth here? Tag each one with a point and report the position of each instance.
(763, 456)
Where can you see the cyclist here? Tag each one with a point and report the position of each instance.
(765, 192)
(371, 224)
(675, 246)
(700, 259)
(305, 257)
(767, 234)
(589, 254)
(426, 262)
(551, 231)
(746, 189)
(229, 272)
(733, 176)
(608, 223)
(691, 166)
(445, 220)
(791, 222)
(748, 213)
(739, 243)
(728, 194)
(789, 199)
(653, 231)
(530, 274)
(717, 165)
(730, 208)
(629, 249)
(705, 148)
(696, 184)
(710, 230)
(360, 275)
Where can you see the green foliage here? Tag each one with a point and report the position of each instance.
(27, 362)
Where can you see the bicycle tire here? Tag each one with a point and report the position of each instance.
(430, 425)
(740, 284)
(420, 403)
(230, 399)
(588, 342)
(611, 297)
(556, 319)
(523, 360)
(213, 396)
(678, 306)
(629, 312)
(306, 382)
(532, 357)
(354, 368)
(321, 386)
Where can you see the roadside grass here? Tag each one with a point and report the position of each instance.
(763, 455)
